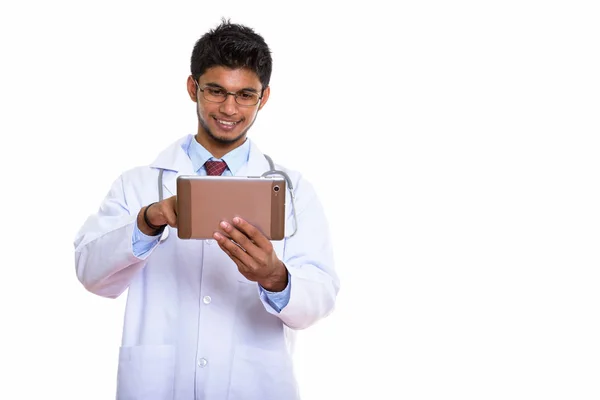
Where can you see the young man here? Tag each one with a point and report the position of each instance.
(206, 319)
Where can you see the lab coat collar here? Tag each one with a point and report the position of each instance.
(175, 162)
(174, 158)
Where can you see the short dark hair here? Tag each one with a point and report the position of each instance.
(232, 46)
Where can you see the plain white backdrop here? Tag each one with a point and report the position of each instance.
(454, 146)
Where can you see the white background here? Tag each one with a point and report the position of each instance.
(460, 173)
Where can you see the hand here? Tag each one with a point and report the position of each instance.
(159, 214)
(253, 254)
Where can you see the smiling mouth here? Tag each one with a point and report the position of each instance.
(228, 124)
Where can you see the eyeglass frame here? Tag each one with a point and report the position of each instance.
(227, 93)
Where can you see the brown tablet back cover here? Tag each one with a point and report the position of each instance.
(204, 201)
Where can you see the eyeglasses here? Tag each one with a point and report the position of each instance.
(219, 95)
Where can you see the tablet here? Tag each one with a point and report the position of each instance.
(204, 201)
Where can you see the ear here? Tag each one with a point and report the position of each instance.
(192, 88)
(265, 97)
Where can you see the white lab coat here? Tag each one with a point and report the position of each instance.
(194, 327)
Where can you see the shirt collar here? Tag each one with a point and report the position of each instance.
(235, 159)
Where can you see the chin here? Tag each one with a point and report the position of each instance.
(227, 138)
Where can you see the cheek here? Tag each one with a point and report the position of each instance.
(205, 111)
(250, 116)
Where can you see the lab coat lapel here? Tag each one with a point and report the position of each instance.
(257, 163)
(175, 162)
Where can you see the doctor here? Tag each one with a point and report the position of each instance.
(207, 319)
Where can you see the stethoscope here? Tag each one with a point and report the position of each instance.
(272, 171)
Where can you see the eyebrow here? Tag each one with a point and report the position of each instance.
(216, 85)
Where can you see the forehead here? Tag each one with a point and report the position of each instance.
(231, 79)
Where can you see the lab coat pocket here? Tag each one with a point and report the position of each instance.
(259, 374)
(146, 373)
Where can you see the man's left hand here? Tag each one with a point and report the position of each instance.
(253, 254)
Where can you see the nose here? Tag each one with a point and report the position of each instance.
(229, 106)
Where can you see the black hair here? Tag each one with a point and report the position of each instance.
(232, 46)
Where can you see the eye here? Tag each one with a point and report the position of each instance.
(215, 91)
(247, 95)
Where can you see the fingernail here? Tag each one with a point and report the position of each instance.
(224, 224)
(216, 236)
(236, 220)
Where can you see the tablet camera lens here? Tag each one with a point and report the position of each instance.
(276, 188)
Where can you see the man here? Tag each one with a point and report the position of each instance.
(206, 319)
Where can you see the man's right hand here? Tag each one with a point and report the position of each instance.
(159, 214)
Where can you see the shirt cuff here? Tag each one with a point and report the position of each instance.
(142, 243)
(278, 300)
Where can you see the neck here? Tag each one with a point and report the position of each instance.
(216, 148)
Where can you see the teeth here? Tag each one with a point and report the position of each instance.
(226, 122)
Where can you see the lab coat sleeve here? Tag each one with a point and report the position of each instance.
(104, 260)
(308, 256)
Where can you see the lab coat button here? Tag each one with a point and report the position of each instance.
(209, 242)
(202, 362)
(206, 299)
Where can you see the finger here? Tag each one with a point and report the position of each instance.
(241, 239)
(235, 260)
(253, 233)
(226, 245)
(170, 214)
(234, 250)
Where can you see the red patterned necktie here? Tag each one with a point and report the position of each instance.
(215, 167)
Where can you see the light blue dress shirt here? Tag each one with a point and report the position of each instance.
(235, 159)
